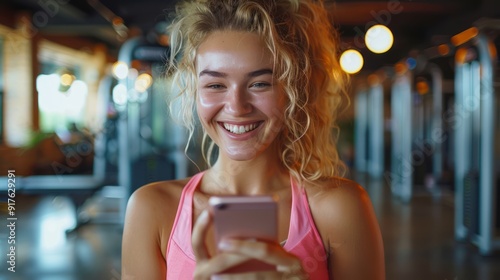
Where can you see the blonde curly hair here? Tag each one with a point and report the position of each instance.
(305, 49)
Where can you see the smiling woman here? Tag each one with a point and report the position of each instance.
(239, 102)
(264, 79)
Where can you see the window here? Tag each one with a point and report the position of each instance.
(62, 98)
(63, 87)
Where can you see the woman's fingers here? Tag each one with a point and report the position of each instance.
(221, 262)
(200, 229)
(205, 264)
(288, 265)
(293, 272)
(260, 275)
(270, 253)
(235, 252)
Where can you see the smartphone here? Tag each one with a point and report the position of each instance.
(245, 217)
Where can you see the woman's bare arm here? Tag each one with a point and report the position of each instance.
(345, 216)
(142, 257)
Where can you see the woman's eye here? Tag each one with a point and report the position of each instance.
(214, 86)
(260, 85)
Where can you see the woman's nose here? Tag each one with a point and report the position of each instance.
(238, 102)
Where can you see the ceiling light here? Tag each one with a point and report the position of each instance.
(351, 61)
(379, 39)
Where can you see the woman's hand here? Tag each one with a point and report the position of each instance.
(234, 252)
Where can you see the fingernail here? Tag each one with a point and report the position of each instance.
(225, 245)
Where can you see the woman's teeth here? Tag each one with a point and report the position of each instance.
(240, 129)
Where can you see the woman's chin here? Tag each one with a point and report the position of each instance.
(246, 150)
(239, 154)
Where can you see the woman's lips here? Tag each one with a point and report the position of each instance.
(241, 128)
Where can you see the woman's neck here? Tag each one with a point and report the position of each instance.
(261, 175)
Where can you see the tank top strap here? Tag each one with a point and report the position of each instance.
(301, 220)
(182, 226)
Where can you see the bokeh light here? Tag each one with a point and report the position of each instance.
(379, 38)
(120, 70)
(351, 61)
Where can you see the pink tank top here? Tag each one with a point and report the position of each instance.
(303, 240)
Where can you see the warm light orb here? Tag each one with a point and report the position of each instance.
(422, 87)
(120, 70)
(67, 79)
(351, 61)
(143, 82)
(379, 38)
(464, 36)
(443, 49)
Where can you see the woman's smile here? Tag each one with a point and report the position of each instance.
(240, 129)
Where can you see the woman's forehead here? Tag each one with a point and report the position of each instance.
(233, 50)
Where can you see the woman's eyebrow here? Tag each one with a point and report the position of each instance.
(260, 72)
(217, 74)
(212, 73)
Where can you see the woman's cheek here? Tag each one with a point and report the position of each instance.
(207, 107)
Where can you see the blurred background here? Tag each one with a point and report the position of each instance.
(84, 122)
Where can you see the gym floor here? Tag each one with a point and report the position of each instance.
(418, 239)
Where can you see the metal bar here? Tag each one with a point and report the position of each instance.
(461, 231)
(487, 148)
(376, 137)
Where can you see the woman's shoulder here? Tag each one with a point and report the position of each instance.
(157, 200)
(339, 205)
(151, 210)
(344, 216)
(337, 189)
(161, 192)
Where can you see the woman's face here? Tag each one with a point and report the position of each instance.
(239, 102)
